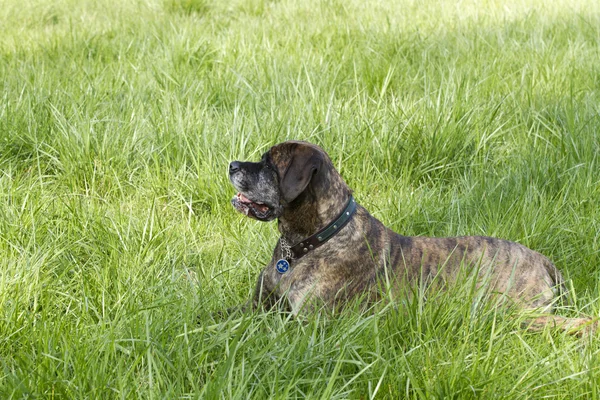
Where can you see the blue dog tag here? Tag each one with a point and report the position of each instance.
(282, 266)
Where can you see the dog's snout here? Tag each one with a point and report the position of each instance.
(234, 167)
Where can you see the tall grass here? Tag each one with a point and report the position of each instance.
(118, 119)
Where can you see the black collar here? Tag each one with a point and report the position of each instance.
(299, 250)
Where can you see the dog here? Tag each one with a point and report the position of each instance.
(332, 250)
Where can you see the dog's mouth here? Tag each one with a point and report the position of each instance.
(252, 209)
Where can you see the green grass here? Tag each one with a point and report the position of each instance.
(118, 119)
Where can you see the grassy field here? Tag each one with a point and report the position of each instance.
(118, 120)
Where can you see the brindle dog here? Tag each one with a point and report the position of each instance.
(297, 183)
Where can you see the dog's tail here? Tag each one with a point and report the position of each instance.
(581, 326)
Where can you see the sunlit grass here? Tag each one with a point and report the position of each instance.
(118, 120)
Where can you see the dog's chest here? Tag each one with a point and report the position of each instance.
(283, 280)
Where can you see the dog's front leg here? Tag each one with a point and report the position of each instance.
(264, 294)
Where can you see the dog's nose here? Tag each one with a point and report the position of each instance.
(234, 167)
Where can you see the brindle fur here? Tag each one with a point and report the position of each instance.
(305, 192)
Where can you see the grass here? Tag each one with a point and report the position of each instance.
(118, 119)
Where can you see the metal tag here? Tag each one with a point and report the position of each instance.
(282, 266)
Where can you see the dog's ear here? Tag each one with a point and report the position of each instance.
(305, 162)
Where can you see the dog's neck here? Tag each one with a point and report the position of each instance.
(322, 201)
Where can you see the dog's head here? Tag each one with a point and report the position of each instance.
(280, 177)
